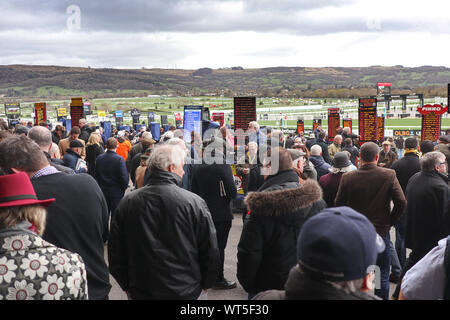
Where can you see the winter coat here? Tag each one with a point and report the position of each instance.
(405, 168)
(123, 148)
(427, 212)
(333, 149)
(64, 144)
(300, 286)
(320, 165)
(206, 183)
(330, 185)
(255, 179)
(92, 152)
(71, 159)
(324, 147)
(163, 243)
(309, 171)
(388, 158)
(267, 247)
(34, 269)
(369, 190)
(111, 174)
(78, 221)
(354, 153)
(85, 133)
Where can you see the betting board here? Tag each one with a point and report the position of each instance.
(380, 126)
(334, 121)
(300, 126)
(40, 110)
(76, 111)
(192, 121)
(367, 118)
(316, 123)
(347, 123)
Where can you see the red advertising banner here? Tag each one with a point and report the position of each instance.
(428, 108)
(40, 113)
(300, 126)
(380, 126)
(367, 118)
(334, 121)
(347, 123)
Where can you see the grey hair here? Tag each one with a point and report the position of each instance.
(431, 159)
(42, 136)
(255, 125)
(166, 155)
(316, 150)
(337, 137)
(177, 142)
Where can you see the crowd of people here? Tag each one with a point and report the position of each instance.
(317, 214)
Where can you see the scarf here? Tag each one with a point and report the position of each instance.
(415, 151)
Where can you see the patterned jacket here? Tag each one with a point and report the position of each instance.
(33, 269)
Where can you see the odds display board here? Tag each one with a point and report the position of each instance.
(334, 121)
(431, 121)
(380, 126)
(316, 123)
(244, 113)
(367, 118)
(347, 123)
(300, 126)
(192, 121)
(40, 111)
(12, 111)
(76, 111)
(218, 117)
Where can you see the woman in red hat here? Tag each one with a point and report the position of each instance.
(30, 267)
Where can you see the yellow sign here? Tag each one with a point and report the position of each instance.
(61, 112)
(101, 114)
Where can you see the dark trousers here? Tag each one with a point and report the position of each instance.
(112, 200)
(400, 234)
(222, 231)
(383, 261)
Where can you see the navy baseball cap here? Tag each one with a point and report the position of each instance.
(338, 244)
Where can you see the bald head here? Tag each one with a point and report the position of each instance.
(42, 136)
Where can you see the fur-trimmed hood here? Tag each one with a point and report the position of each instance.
(279, 202)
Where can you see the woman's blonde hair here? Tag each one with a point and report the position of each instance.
(34, 214)
(93, 138)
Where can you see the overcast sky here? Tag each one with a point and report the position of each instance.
(191, 34)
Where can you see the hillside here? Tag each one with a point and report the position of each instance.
(20, 81)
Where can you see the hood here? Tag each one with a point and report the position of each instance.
(279, 202)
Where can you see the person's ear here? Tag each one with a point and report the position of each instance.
(367, 283)
(171, 168)
(16, 170)
(377, 157)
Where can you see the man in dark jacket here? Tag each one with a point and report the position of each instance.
(267, 247)
(112, 175)
(427, 212)
(163, 242)
(347, 145)
(322, 143)
(405, 168)
(85, 130)
(72, 158)
(369, 190)
(214, 183)
(322, 167)
(77, 220)
(341, 269)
